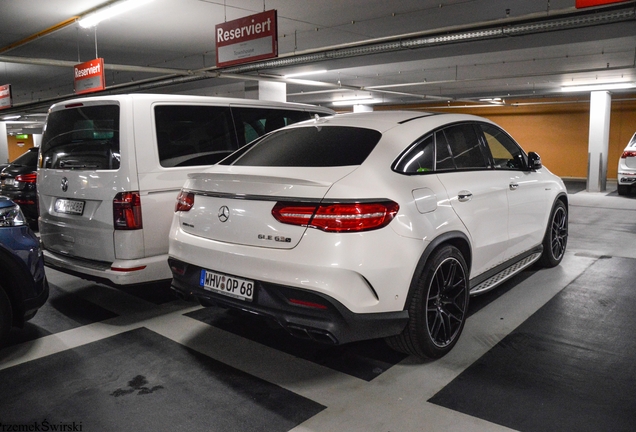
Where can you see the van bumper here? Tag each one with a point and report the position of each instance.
(117, 273)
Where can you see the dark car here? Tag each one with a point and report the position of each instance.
(23, 284)
(17, 181)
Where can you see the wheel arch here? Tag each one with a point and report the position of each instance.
(454, 238)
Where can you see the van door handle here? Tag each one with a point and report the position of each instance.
(514, 186)
(464, 196)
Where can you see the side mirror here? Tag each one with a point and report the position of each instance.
(534, 161)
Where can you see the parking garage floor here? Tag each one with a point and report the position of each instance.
(549, 350)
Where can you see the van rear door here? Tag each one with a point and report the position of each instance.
(80, 174)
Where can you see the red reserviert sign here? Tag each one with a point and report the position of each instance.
(247, 39)
(590, 3)
(6, 100)
(89, 76)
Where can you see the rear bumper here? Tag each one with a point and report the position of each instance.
(117, 273)
(311, 316)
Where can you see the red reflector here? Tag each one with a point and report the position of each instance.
(185, 201)
(21, 201)
(127, 211)
(27, 178)
(628, 153)
(354, 217)
(307, 303)
(73, 105)
(119, 269)
(178, 270)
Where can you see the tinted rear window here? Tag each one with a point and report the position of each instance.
(189, 135)
(315, 146)
(82, 138)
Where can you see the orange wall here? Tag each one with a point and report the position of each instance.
(558, 129)
(18, 146)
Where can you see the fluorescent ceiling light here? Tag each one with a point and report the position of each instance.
(299, 74)
(598, 87)
(93, 18)
(358, 101)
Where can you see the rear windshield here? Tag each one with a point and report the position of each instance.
(314, 146)
(82, 138)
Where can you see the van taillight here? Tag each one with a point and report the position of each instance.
(337, 217)
(628, 153)
(127, 211)
(185, 201)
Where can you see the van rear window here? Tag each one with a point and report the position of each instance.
(82, 138)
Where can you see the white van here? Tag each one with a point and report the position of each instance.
(111, 167)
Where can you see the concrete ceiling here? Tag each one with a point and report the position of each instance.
(398, 52)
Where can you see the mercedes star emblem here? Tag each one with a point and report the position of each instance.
(224, 213)
(64, 184)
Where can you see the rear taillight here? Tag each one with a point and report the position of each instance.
(337, 217)
(628, 153)
(127, 211)
(26, 178)
(185, 201)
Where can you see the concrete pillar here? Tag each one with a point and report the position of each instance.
(37, 140)
(266, 90)
(4, 144)
(598, 145)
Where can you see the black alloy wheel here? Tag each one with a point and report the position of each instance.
(556, 236)
(446, 306)
(437, 308)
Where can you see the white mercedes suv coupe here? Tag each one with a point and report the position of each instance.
(368, 225)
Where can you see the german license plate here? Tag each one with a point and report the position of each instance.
(8, 182)
(232, 286)
(68, 206)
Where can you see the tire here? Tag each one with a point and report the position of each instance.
(437, 306)
(6, 315)
(623, 189)
(556, 236)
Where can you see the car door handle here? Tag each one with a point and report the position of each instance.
(464, 196)
(514, 186)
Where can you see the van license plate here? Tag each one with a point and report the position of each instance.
(68, 206)
(242, 289)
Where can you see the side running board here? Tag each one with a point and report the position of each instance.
(505, 274)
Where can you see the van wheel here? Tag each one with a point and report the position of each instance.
(556, 236)
(437, 307)
(622, 189)
(6, 315)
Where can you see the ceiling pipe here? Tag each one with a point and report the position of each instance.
(40, 34)
(107, 66)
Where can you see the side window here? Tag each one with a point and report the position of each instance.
(505, 152)
(252, 123)
(190, 135)
(419, 158)
(443, 160)
(465, 146)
